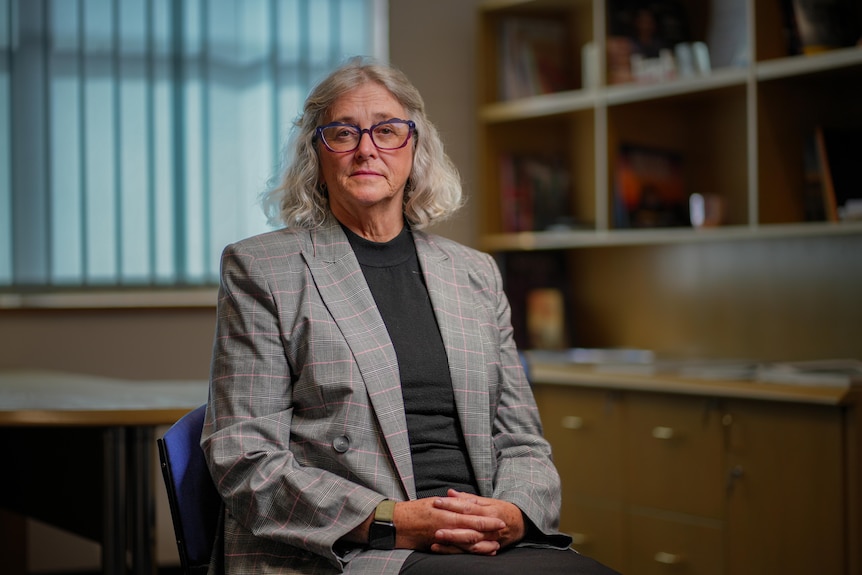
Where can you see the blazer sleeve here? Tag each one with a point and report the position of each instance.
(247, 433)
(525, 474)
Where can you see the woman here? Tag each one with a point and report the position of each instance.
(368, 412)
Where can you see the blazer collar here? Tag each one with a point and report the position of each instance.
(451, 286)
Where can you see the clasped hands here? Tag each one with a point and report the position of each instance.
(458, 523)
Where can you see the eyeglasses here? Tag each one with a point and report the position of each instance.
(391, 134)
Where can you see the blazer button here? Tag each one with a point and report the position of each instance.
(341, 444)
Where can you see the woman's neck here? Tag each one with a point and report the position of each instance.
(376, 229)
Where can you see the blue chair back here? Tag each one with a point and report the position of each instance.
(196, 507)
(525, 363)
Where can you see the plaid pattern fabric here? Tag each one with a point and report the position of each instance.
(305, 430)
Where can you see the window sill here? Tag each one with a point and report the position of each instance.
(108, 299)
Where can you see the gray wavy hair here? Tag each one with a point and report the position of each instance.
(298, 200)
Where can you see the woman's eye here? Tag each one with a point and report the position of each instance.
(345, 134)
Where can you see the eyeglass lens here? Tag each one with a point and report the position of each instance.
(389, 135)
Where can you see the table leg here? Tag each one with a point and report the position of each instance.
(142, 501)
(114, 502)
(13, 544)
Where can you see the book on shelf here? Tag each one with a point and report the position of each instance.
(536, 284)
(534, 192)
(534, 57)
(813, 26)
(825, 372)
(839, 151)
(638, 361)
(649, 188)
(594, 356)
(691, 368)
(790, 31)
(643, 37)
(814, 201)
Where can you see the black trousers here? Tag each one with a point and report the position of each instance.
(512, 561)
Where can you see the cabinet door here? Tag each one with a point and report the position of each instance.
(674, 450)
(584, 429)
(785, 501)
(670, 546)
(597, 529)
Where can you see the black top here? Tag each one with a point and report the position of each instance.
(439, 454)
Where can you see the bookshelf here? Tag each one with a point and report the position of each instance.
(766, 284)
(740, 127)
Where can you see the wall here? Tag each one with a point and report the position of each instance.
(434, 43)
(768, 300)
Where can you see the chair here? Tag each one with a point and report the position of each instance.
(525, 363)
(196, 507)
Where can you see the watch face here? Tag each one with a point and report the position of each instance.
(381, 535)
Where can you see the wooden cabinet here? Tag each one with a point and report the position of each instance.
(662, 475)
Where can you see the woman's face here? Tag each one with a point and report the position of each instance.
(366, 180)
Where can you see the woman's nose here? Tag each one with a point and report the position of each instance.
(366, 146)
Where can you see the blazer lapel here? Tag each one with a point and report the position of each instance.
(342, 287)
(449, 287)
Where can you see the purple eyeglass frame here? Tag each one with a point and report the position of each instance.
(411, 125)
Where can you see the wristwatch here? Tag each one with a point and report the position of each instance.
(381, 533)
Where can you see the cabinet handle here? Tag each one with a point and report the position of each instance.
(579, 538)
(661, 432)
(572, 422)
(735, 473)
(668, 558)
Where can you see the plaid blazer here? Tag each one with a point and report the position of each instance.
(305, 430)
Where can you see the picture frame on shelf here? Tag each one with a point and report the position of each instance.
(649, 188)
(536, 284)
(642, 37)
(546, 318)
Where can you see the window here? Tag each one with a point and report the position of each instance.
(137, 135)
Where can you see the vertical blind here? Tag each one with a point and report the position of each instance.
(137, 135)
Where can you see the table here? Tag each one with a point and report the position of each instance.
(80, 437)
